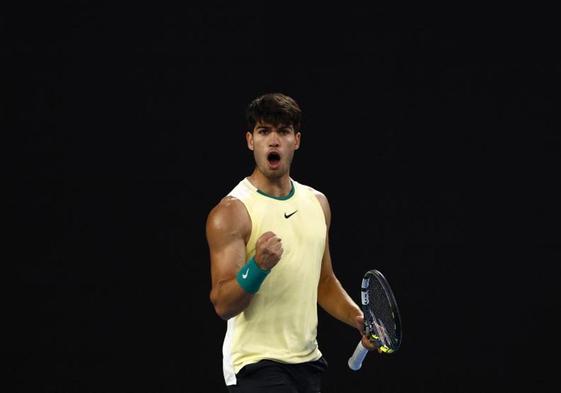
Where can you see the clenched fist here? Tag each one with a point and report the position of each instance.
(268, 250)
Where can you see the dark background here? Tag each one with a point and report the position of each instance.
(433, 133)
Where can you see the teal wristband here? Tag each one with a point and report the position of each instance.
(251, 276)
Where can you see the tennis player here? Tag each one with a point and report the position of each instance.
(271, 265)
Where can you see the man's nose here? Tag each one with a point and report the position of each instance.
(274, 139)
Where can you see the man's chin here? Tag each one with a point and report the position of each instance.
(274, 173)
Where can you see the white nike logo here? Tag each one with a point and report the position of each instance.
(244, 276)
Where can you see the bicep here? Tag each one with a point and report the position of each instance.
(326, 273)
(226, 240)
(326, 265)
(327, 276)
(226, 258)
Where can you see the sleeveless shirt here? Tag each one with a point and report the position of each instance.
(280, 322)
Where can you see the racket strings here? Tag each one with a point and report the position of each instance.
(380, 314)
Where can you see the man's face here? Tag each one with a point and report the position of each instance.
(273, 147)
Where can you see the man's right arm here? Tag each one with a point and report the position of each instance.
(227, 230)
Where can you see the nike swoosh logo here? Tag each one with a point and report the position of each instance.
(244, 276)
(288, 215)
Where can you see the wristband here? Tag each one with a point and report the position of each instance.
(251, 276)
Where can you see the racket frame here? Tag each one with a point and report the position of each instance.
(372, 330)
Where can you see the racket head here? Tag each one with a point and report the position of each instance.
(382, 321)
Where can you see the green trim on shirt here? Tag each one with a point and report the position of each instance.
(282, 198)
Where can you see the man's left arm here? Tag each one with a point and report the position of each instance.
(332, 297)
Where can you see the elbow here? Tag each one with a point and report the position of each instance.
(222, 313)
(219, 307)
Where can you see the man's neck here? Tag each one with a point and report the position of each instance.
(278, 187)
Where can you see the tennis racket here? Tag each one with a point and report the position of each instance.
(382, 322)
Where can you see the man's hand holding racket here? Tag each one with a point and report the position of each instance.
(365, 341)
(381, 322)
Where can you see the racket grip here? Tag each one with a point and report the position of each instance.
(355, 361)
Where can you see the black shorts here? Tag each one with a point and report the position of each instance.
(274, 377)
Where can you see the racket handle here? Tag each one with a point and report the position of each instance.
(355, 361)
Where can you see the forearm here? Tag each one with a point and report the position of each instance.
(333, 298)
(229, 299)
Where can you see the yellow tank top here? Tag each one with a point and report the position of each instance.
(281, 321)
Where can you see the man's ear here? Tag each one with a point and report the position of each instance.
(297, 137)
(249, 139)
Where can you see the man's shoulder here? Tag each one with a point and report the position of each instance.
(228, 205)
(242, 191)
(310, 189)
(228, 213)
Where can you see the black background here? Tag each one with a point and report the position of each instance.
(433, 133)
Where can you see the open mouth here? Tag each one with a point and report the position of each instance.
(273, 158)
